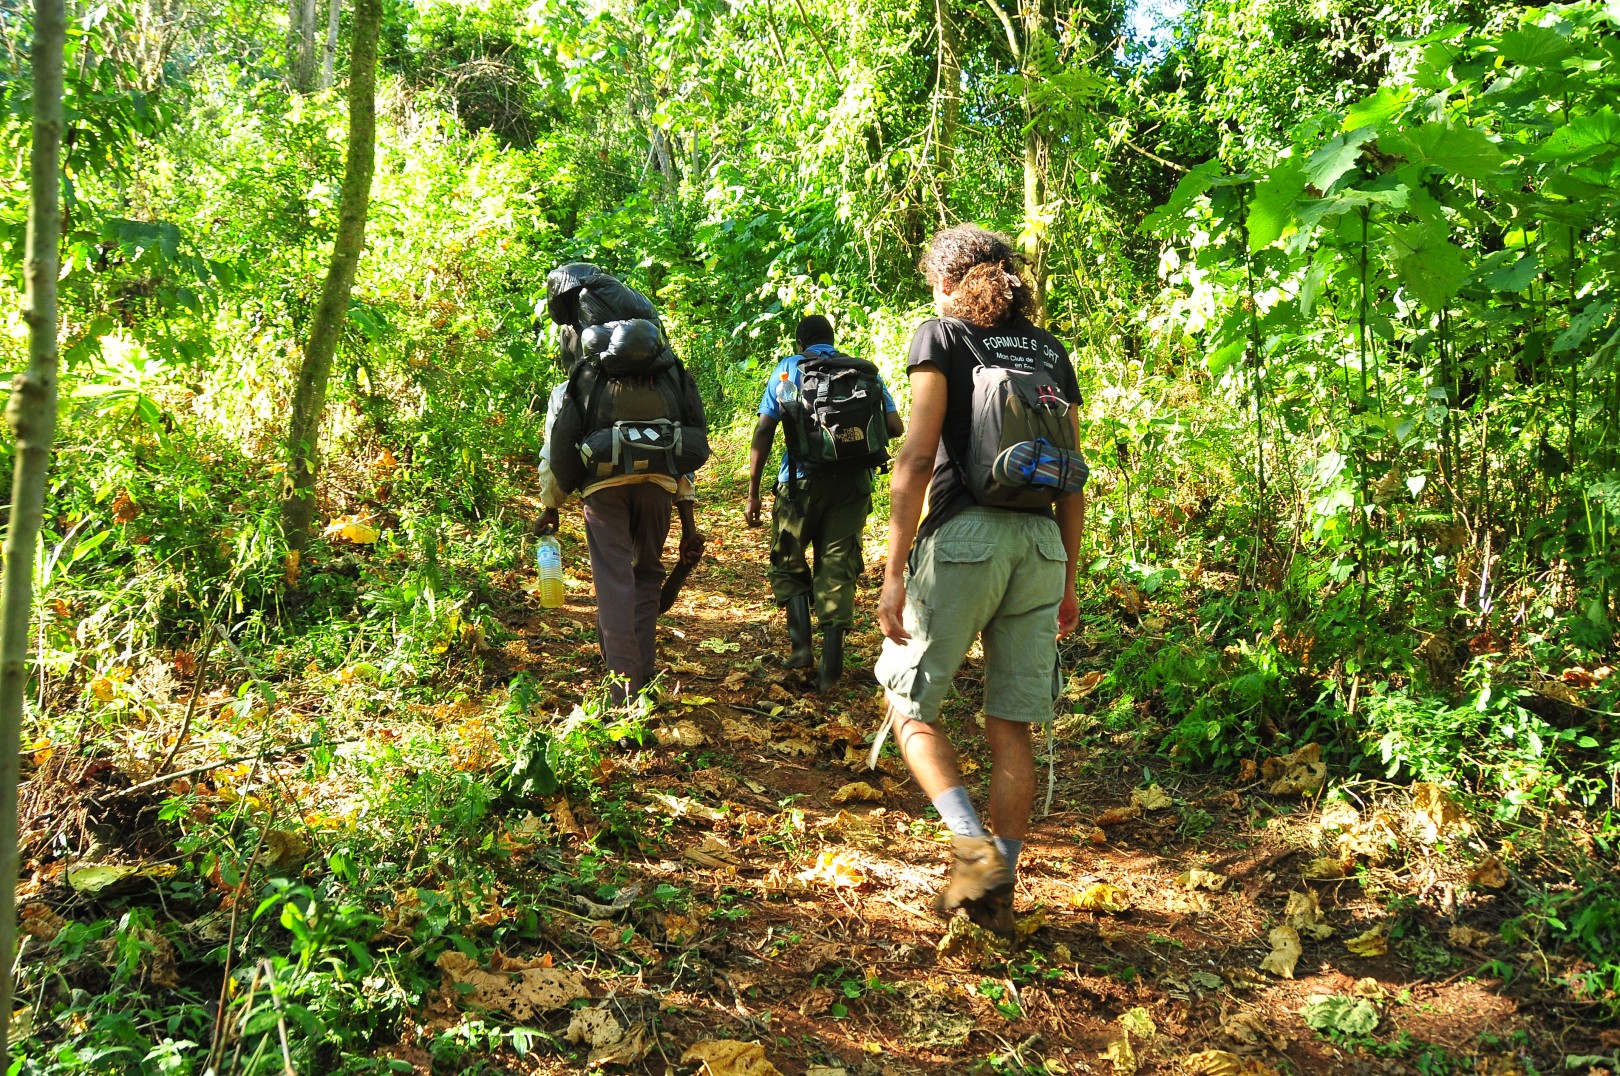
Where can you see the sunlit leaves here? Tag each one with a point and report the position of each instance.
(1457, 149)
(1583, 137)
(1335, 158)
(1535, 46)
(1371, 112)
(1434, 270)
(1274, 196)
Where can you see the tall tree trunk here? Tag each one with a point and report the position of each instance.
(1035, 220)
(309, 398)
(301, 44)
(329, 56)
(31, 413)
(1031, 21)
(949, 86)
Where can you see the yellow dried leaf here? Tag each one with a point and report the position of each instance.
(1249, 1028)
(1285, 952)
(1326, 868)
(1298, 773)
(833, 867)
(680, 734)
(679, 929)
(1102, 897)
(1139, 1022)
(1489, 873)
(1470, 937)
(968, 943)
(727, 1057)
(1030, 923)
(611, 1042)
(1305, 915)
(1088, 683)
(353, 529)
(1434, 813)
(517, 989)
(1151, 798)
(1120, 1053)
(1373, 942)
(95, 879)
(1224, 1063)
(713, 853)
(858, 792)
(1198, 878)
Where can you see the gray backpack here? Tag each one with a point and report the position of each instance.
(1021, 451)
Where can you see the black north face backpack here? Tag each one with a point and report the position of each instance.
(838, 421)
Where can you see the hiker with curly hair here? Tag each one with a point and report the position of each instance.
(984, 537)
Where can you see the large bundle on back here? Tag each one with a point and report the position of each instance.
(630, 408)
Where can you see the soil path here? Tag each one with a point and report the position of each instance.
(808, 928)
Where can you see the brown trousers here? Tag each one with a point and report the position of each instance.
(625, 529)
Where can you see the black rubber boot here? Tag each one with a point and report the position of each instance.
(798, 625)
(832, 658)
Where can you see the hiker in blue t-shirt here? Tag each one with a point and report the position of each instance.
(818, 507)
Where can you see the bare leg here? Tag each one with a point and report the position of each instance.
(1012, 776)
(929, 755)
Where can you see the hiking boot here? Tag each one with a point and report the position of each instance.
(832, 658)
(798, 625)
(980, 884)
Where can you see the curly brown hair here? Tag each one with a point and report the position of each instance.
(984, 271)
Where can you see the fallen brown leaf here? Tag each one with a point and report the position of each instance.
(713, 853)
(727, 1057)
(1470, 937)
(519, 990)
(1298, 773)
(1488, 873)
(1202, 879)
(1372, 942)
(1223, 1063)
(858, 792)
(1102, 897)
(1285, 952)
(610, 1041)
(1151, 798)
(833, 867)
(1305, 916)
(1116, 815)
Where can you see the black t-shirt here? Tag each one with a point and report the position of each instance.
(1019, 345)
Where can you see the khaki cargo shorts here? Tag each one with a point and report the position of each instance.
(986, 572)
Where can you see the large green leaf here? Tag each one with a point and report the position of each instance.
(1461, 151)
(1512, 275)
(1582, 137)
(1434, 270)
(1372, 111)
(1535, 46)
(1335, 158)
(1274, 196)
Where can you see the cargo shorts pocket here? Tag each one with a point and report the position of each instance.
(1049, 544)
(954, 550)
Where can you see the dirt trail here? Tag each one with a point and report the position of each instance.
(846, 970)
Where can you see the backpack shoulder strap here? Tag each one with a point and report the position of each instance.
(957, 329)
(586, 405)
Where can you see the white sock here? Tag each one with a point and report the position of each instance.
(1010, 849)
(955, 809)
